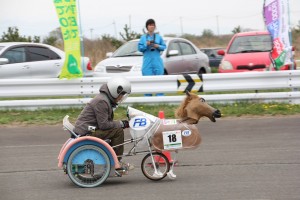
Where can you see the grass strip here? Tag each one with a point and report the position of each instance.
(55, 116)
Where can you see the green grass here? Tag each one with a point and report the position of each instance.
(55, 116)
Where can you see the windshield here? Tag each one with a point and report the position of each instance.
(253, 43)
(1, 47)
(128, 49)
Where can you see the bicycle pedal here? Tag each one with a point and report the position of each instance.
(121, 172)
(117, 174)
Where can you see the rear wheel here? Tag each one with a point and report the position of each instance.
(161, 163)
(202, 71)
(165, 72)
(88, 166)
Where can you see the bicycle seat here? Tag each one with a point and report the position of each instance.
(70, 128)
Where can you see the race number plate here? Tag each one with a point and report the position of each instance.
(172, 139)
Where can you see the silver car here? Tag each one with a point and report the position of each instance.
(33, 60)
(180, 57)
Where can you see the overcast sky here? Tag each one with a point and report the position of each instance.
(98, 17)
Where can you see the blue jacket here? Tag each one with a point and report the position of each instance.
(152, 62)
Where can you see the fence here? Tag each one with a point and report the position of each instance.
(85, 88)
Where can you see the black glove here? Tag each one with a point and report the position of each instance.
(125, 124)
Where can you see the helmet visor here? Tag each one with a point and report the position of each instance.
(122, 98)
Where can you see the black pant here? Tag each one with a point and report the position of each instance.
(116, 136)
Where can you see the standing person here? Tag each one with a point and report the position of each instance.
(97, 117)
(151, 44)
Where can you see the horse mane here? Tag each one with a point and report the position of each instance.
(181, 111)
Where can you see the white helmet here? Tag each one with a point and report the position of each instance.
(119, 86)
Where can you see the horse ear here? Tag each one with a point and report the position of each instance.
(187, 93)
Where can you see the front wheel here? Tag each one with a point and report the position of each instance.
(88, 166)
(161, 163)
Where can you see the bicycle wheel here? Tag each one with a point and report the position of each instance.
(162, 166)
(88, 166)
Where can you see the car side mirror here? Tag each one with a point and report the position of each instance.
(4, 61)
(109, 54)
(173, 53)
(221, 52)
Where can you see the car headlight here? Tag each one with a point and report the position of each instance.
(100, 68)
(136, 68)
(226, 65)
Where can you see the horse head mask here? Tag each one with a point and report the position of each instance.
(193, 108)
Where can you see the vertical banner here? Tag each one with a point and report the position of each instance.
(67, 15)
(276, 15)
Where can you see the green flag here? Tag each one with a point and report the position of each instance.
(67, 15)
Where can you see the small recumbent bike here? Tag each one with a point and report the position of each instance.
(89, 161)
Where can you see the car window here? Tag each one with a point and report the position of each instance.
(15, 55)
(128, 49)
(38, 53)
(253, 43)
(53, 55)
(174, 46)
(187, 49)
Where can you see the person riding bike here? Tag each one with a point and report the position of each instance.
(97, 117)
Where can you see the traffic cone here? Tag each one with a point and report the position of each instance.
(161, 115)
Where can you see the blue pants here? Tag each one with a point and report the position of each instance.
(151, 71)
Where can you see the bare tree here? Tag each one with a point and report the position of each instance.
(237, 29)
(129, 35)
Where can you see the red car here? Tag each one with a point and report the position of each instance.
(248, 51)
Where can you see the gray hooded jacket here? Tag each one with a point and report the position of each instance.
(98, 113)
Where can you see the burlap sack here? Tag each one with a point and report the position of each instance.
(191, 141)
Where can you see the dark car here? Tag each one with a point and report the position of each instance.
(213, 56)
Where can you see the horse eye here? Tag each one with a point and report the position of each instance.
(202, 100)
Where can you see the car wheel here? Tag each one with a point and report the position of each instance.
(202, 71)
(165, 72)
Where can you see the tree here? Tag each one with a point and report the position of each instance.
(54, 37)
(207, 33)
(50, 40)
(170, 35)
(129, 35)
(13, 35)
(297, 28)
(237, 29)
(115, 42)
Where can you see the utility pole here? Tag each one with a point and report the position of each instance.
(129, 23)
(81, 39)
(115, 29)
(181, 27)
(91, 33)
(218, 31)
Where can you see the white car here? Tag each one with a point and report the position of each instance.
(33, 60)
(180, 57)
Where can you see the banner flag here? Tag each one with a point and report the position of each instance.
(276, 16)
(67, 15)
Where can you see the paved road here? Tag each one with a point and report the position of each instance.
(238, 159)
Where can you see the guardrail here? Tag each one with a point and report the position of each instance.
(153, 84)
(88, 87)
(298, 64)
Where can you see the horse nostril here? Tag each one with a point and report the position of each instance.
(217, 114)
